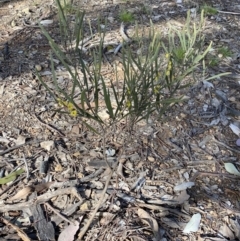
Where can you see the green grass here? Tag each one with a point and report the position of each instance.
(126, 16)
(213, 62)
(208, 10)
(146, 10)
(214, 59)
(224, 52)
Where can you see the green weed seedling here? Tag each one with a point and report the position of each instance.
(224, 52)
(126, 16)
(213, 62)
(220, 53)
(208, 10)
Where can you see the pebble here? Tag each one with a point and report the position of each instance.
(38, 67)
(238, 142)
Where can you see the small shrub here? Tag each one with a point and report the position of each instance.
(151, 79)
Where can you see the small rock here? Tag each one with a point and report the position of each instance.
(26, 10)
(46, 22)
(38, 67)
(80, 175)
(238, 142)
(85, 206)
(47, 145)
(13, 23)
(151, 159)
(110, 19)
(58, 168)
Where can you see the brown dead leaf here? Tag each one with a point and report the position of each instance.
(183, 197)
(85, 206)
(75, 130)
(146, 218)
(20, 140)
(58, 168)
(137, 238)
(22, 194)
(226, 232)
(106, 217)
(14, 213)
(236, 227)
(173, 223)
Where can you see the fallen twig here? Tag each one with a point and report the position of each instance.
(40, 199)
(20, 232)
(86, 226)
(50, 127)
(18, 146)
(59, 214)
(76, 182)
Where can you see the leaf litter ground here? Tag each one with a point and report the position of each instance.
(170, 172)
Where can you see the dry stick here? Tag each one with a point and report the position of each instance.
(222, 144)
(12, 184)
(71, 183)
(59, 214)
(85, 228)
(40, 199)
(214, 174)
(18, 146)
(26, 165)
(20, 232)
(226, 12)
(50, 127)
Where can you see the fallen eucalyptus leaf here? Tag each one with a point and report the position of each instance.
(11, 177)
(225, 231)
(235, 129)
(238, 142)
(20, 140)
(46, 22)
(22, 194)
(207, 84)
(146, 218)
(231, 168)
(236, 227)
(110, 152)
(69, 232)
(183, 186)
(193, 224)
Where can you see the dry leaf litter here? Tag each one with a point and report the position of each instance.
(175, 180)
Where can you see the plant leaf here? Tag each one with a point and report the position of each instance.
(183, 186)
(193, 224)
(107, 100)
(22, 194)
(146, 218)
(235, 129)
(231, 169)
(11, 177)
(69, 232)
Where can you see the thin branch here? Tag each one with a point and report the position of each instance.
(59, 214)
(87, 225)
(40, 200)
